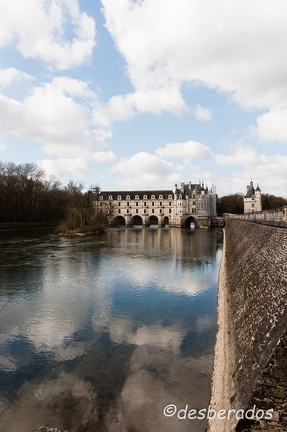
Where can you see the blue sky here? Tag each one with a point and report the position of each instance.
(143, 94)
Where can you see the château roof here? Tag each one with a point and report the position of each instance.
(132, 194)
(251, 191)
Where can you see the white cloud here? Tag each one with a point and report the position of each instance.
(39, 30)
(58, 114)
(203, 114)
(10, 75)
(249, 163)
(125, 107)
(77, 167)
(272, 126)
(3, 146)
(189, 149)
(237, 47)
(144, 170)
(101, 156)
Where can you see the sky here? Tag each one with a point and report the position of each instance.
(146, 94)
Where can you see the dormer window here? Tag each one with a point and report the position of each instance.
(101, 197)
(127, 197)
(152, 197)
(136, 197)
(119, 197)
(110, 197)
(145, 197)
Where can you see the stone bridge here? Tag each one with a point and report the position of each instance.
(276, 216)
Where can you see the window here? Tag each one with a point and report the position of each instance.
(137, 204)
(119, 197)
(119, 203)
(160, 210)
(169, 203)
(144, 197)
(119, 210)
(144, 203)
(101, 204)
(169, 197)
(101, 197)
(136, 197)
(127, 197)
(128, 211)
(144, 210)
(137, 211)
(169, 210)
(160, 197)
(128, 203)
(152, 203)
(160, 203)
(110, 197)
(152, 197)
(152, 211)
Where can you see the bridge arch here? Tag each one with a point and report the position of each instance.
(153, 220)
(119, 221)
(190, 222)
(137, 220)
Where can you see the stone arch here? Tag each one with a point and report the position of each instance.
(119, 221)
(190, 222)
(137, 220)
(153, 220)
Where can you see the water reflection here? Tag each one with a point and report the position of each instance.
(104, 332)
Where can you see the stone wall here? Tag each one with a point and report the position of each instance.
(270, 393)
(256, 290)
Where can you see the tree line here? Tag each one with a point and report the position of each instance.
(26, 195)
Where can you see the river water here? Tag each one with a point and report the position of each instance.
(102, 333)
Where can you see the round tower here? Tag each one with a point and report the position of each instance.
(258, 199)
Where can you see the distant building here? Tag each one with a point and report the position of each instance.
(191, 203)
(252, 199)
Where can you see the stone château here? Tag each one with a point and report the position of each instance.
(189, 203)
(252, 199)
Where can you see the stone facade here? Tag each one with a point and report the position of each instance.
(252, 199)
(191, 203)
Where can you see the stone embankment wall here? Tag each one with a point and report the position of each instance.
(271, 393)
(256, 295)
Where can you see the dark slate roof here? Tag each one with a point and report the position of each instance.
(197, 187)
(132, 194)
(251, 191)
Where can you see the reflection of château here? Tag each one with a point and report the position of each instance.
(191, 203)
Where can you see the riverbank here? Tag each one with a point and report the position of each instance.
(26, 225)
(222, 391)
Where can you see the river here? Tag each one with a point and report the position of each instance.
(102, 333)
